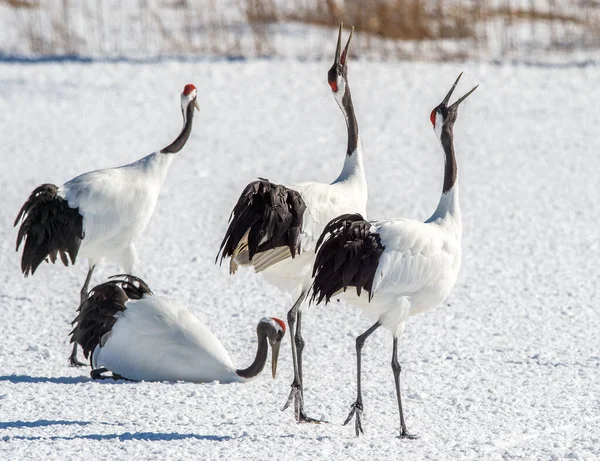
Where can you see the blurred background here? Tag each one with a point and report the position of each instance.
(386, 29)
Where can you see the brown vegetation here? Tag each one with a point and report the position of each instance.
(431, 29)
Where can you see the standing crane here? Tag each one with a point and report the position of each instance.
(98, 215)
(399, 267)
(274, 228)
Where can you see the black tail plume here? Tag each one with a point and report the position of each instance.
(271, 214)
(348, 255)
(96, 315)
(49, 228)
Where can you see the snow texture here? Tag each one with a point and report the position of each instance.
(507, 368)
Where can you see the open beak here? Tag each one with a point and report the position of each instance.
(463, 97)
(340, 57)
(339, 46)
(447, 98)
(344, 56)
(274, 356)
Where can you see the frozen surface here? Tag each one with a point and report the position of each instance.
(507, 368)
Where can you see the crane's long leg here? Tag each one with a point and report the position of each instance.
(396, 368)
(296, 392)
(299, 350)
(357, 406)
(84, 292)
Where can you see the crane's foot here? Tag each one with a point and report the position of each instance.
(356, 413)
(73, 362)
(98, 373)
(298, 399)
(407, 436)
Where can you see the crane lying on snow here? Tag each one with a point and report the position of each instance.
(274, 228)
(98, 215)
(127, 330)
(400, 267)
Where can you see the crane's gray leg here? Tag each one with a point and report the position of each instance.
(84, 292)
(299, 349)
(357, 406)
(396, 368)
(296, 392)
(299, 340)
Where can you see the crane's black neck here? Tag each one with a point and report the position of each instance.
(180, 141)
(450, 167)
(351, 122)
(261, 355)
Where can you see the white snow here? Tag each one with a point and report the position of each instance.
(507, 368)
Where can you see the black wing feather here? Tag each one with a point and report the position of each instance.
(96, 315)
(49, 227)
(265, 210)
(348, 255)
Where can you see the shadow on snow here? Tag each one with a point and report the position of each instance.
(41, 423)
(144, 436)
(16, 379)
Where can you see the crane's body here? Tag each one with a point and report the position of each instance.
(116, 205)
(417, 269)
(157, 339)
(139, 336)
(398, 267)
(323, 203)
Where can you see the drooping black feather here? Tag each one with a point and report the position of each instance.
(96, 315)
(348, 255)
(49, 228)
(264, 210)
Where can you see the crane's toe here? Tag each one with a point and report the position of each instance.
(356, 413)
(74, 362)
(298, 399)
(406, 435)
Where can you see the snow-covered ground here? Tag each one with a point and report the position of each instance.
(507, 368)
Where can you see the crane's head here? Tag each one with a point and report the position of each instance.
(443, 116)
(188, 96)
(338, 74)
(275, 330)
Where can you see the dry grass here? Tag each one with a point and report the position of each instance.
(393, 19)
(433, 29)
(445, 21)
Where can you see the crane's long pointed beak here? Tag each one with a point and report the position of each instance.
(344, 56)
(447, 98)
(463, 97)
(196, 105)
(338, 50)
(274, 357)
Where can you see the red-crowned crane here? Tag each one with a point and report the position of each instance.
(274, 228)
(399, 267)
(98, 215)
(125, 329)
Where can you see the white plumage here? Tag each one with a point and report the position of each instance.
(116, 205)
(418, 267)
(157, 339)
